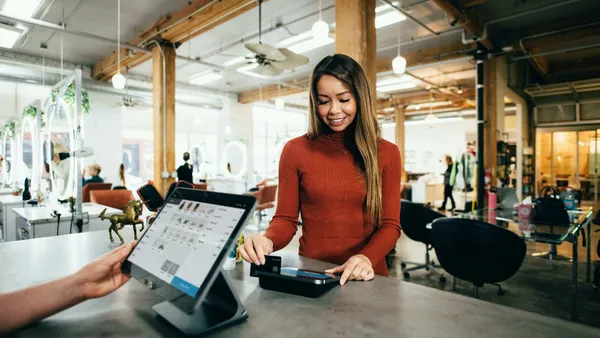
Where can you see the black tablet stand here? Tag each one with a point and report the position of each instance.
(221, 307)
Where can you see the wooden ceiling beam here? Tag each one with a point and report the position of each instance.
(466, 20)
(198, 17)
(421, 98)
(267, 93)
(425, 57)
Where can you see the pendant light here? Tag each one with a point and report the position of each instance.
(118, 80)
(399, 62)
(279, 102)
(320, 29)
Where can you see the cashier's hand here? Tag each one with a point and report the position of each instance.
(103, 276)
(255, 248)
(357, 267)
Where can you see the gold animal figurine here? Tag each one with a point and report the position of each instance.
(130, 215)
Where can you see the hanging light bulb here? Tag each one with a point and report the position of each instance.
(118, 80)
(279, 103)
(459, 90)
(320, 29)
(399, 64)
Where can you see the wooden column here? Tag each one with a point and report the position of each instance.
(490, 114)
(355, 34)
(164, 125)
(400, 117)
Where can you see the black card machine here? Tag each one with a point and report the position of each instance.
(307, 283)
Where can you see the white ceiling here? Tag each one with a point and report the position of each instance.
(99, 18)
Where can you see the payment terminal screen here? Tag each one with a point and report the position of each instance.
(184, 241)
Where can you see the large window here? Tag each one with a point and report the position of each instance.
(272, 129)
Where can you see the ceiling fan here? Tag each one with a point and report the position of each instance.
(269, 60)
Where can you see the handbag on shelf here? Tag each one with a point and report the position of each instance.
(549, 209)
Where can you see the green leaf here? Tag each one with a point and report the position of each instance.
(69, 97)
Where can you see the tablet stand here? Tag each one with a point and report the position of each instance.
(221, 307)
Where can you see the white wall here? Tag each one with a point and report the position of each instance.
(429, 143)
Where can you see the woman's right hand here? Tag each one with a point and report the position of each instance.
(255, 248)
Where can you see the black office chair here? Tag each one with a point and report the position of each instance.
(478, 252)
(596, 281)
(414, 219)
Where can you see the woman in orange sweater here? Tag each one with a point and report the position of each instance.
(341, 176)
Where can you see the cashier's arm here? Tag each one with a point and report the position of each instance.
(97, 279)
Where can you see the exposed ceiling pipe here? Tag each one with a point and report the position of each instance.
(103, 87)
(557, 51)
(533, 11)
(558, 31)
(408, 15)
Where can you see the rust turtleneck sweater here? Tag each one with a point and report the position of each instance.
(319, 179)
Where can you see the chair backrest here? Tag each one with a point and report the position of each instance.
(119, 187)
(117, 199)
(201, 186)
(85, 192)
(414, 218)
(269, 193)
(476, 251)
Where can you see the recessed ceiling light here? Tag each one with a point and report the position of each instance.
(9, 36)
(22, 8)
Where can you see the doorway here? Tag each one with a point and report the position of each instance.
(569, 158)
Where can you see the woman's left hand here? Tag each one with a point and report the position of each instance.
(357, 267)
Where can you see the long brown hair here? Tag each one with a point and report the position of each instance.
(365, 126)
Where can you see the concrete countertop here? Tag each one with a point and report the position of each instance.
(44, 214)
(384, 307)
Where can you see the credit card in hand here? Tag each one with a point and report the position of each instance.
(272, 265)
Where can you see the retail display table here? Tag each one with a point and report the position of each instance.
(384, 307)
(38, 222)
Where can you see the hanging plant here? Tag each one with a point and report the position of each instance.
(70, 98)
(30, 111)
(9, 127)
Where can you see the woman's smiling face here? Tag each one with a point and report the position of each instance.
(336, 105)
